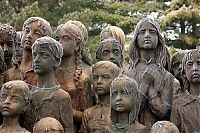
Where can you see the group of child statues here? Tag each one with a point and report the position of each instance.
(49, 84)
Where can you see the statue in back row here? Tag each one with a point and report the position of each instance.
(148, 57)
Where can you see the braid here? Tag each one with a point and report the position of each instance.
(78, 70)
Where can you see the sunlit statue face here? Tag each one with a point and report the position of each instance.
(121, 100)
(147, 38)
(111, 52)
(30, 34)
(192, 68)
(12, 102)
(43, 60)
(7, 42)
(102, 78)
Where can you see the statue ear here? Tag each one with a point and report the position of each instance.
(57, 62)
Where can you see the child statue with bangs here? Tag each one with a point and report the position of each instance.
(124, 100)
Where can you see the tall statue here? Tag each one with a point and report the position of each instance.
(148, 55)
(48, 125)
(164, 127)
(186, 109)
(95, 118)
(110, 50)
(124, 100)
(7, 40)
(33, 28)
(70, 74)
(48, 99)
(15, 99)
(118, 34)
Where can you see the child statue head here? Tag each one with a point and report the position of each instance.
(34, 28)
(124, 98)
(47, 54)
(110, 50)
(164, 127)
(103, 72)
(15, 98)
(113, 32)
(48, 125)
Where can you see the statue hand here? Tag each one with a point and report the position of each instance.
(148, 77)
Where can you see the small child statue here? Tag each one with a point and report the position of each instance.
(15, 98)
(96, 118)
(124, 99)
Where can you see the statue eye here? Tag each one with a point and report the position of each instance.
(15, 99)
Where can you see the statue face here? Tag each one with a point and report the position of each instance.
(43, 60)
(147, 36)
(31, 33)
(7, 42)
(176, 66)
(12, 102)
(18, 49)
(111, 52)
(121, 100)
(102, 78)
(67, 42)
(192, 68)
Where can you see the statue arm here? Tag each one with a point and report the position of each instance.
(66, 114)
(161, 101)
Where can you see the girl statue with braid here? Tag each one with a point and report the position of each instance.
(124, 105)
(70, 75)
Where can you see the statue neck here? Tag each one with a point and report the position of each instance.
(26, 63)
(10, 122)
(122, 117)
(68, 62)
(104, 99)
(147, 54)
(194, 89)
(47, 80)
(9, 63)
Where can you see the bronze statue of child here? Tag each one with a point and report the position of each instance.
(110, 50)
(148, 55)
(186, 109)
(48, 99)
(15, 99)
(48, 125)
(96, 118)
(124, 99)
(7, 40)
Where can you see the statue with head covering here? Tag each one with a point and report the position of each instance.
(148, 55)
(124, 102)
